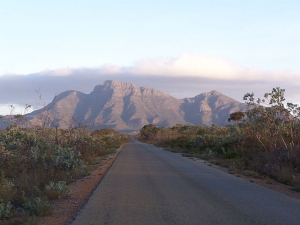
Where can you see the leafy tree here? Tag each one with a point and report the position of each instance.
(148, 131)
(236, 116)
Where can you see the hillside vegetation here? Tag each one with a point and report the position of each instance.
(263, 141)
(36, 164)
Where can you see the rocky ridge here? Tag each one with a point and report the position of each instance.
(126, 107)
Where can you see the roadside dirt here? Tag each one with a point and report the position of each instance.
(65, 210)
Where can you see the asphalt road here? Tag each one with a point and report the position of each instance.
(147, 185)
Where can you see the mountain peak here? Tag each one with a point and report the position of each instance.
(115, 83)
(214, 92)
(126, 107)
(211, 93)
(112, 83)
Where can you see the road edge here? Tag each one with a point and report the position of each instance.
(65, 210)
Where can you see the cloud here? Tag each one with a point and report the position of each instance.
(200, 66)
(185, 76)
(58, 72)
(188, 65)
(110, 69)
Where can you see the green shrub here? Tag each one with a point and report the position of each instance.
(39, 207)
(6, 210)
(29, 207)
(6, 188)
(38, 161)
(43, 207)
(66, 158)
(57, 190)
(231, 155)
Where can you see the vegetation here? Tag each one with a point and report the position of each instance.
(37, 163)
(264, 141)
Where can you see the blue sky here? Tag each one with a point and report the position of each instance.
(253, 41)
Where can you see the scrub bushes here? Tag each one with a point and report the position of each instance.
(37, 163)
(265, 139)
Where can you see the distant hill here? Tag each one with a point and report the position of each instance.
(127, 107)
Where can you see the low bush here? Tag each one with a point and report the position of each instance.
(6, 210)
(56, 190)
(39, 207)
(37, 163)
(265, 139)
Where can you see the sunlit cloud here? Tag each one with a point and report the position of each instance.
(110, 69)
(185, 76)
(186, 65)
(58, 72)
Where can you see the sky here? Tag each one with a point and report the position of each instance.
(183, 48)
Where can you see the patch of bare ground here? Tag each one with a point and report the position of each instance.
(65, 209)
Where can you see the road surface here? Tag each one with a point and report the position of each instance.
(147, 185)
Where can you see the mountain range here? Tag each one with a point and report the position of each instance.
(126, 107)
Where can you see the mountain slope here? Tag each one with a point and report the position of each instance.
(210, 108)
(127, 107)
